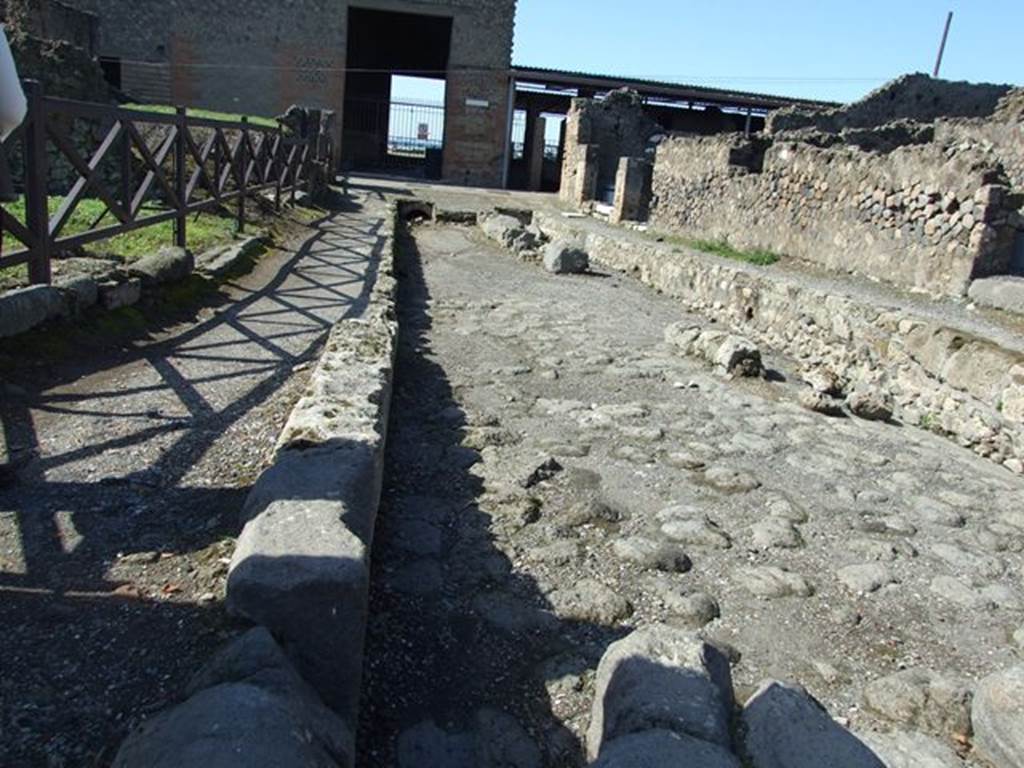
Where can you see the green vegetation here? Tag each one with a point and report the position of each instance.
(757, 256)
(204, 230)
(209, 114)
(722, 248)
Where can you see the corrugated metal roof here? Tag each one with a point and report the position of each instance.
(656, 87)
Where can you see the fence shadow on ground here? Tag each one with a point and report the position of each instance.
(104, 447)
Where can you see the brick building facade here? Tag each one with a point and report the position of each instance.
(261, 56)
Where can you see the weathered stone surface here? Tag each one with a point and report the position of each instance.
(660, 748)
(661, 678)
(902, 749)
(300, 566)
(785, 727)
(692, 609)
(347, 395)
(82, 291)
(775, 532)
(730, 479)
(496, 740)
(872, 405)
(167, 265)
(686, 525)
(562, 258)
(509, 231)
(114, 295)
(998, 718)
(738, 356)
(922, 699)
(819, 402)
(590, 600)
(731, 354)
(25, 308)
(247, 706)
(1004, 292)
(771, 581)
(824, 380)
(651, 554)
(225, 259)
(863, 578)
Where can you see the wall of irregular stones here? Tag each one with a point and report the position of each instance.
(923, 216)
(916, 97)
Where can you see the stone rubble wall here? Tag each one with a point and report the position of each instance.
(300, 572)
(928, 217)
(614, 128)
(967, 388)
(915, 97)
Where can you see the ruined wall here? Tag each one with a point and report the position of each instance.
(1001, 135)
(617, 127)
(54, 43)
(915, 97)
(926, 217)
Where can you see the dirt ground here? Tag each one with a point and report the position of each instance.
(558, 475)
(130, 447)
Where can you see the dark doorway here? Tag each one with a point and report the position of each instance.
(382, 133)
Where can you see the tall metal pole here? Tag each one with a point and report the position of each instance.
(942, 45)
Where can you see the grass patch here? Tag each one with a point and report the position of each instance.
(758, 256)
(209, 114)
(204, 230)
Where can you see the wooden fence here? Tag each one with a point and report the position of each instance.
(145, 168)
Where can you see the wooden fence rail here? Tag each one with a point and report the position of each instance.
(146, 168)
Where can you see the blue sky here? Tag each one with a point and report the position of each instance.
(826, 49)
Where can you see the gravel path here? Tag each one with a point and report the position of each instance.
(116, 531)
(558, 475)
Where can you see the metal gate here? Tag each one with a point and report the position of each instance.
(393, 136)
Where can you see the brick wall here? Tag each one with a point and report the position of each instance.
(262, 56)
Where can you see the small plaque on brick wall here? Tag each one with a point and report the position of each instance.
(484, 103)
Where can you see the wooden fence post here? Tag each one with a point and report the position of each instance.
(181, 222)
(277, 167)
(37, 211)
(242, 167)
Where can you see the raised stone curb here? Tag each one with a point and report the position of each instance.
(944, 378)
(301, 565)
(224, 259)
(300, 569)
(167, 265)
(25, 308)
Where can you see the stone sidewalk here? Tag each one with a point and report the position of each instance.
(131, 470)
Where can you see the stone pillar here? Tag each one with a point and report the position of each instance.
(535, 154)
(630, 189)
(586, 175)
